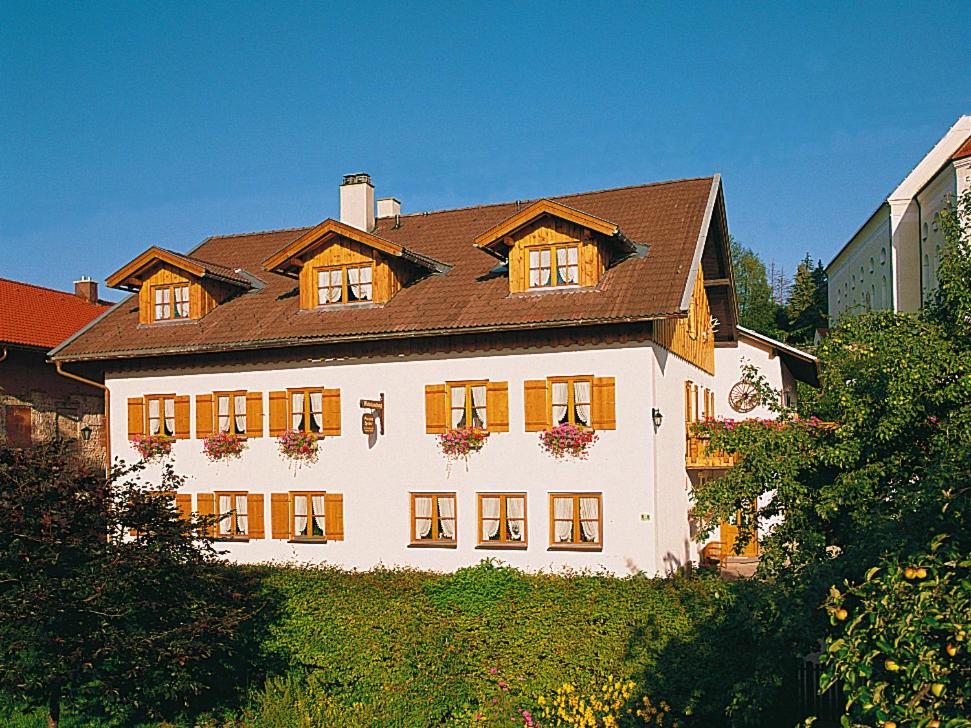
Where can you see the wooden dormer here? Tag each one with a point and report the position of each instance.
(551, 246)
(339, 264)
(173, 287)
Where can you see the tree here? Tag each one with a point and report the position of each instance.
(808, 305)
(133, 625)
(757, 310)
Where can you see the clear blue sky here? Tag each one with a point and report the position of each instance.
(129, 124)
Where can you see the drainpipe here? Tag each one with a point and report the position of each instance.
(104, 388)
(4, 354)
(920, 248)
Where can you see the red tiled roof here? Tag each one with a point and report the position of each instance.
(964, 151)
(35, 316)
(669, 217)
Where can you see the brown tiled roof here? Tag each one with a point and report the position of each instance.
(35, 316)
(122, 278)
(667, 216)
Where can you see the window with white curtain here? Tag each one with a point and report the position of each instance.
(575, 519)
(467, 405)
(502, 519)
(554, 266)
(345, 284)
(570, 399)
(171, 302)
(433, 518)
(234, 519)
(306, 410)
(308, 515)
(160, 414)
(231, 412)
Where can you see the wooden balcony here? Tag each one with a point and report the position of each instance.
(698, 457)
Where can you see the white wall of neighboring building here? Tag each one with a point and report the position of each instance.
(862, 276)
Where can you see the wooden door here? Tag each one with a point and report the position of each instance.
(729, 532)
(19, 432)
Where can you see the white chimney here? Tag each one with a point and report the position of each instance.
(357, 202)
(389, 207)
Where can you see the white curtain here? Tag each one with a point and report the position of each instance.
(154, 420)
(533, 268)
(335, 286)
(296, 411)
(590, 509)
(359, 283)
(545, 268)
(490, 518)
(240, 411)
(316, 411)
(446, 516)
(479, 406)
(561, 398)
(515, 516)
(299, 515)
(318, 507)
(225, 506)
(182, 302)
(563, 519)
(572, 267)
(366, 274)
(581, 397)
(458, 407)
(162, 308)
(223, 409)
(242, 520)
(423, 517)
(169, 416)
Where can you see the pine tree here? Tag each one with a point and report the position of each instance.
(806, 308)
(756, 307)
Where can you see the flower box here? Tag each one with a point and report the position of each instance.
(223, 446)
(567, 441)
(462, 442)
(153, 447)
(298, 447)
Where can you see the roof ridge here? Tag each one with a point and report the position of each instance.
(255, 232)
(48, 289)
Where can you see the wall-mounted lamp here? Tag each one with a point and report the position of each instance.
(657, 417)
(85, 433)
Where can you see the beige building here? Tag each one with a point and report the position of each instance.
(892, 261)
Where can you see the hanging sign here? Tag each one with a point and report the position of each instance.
(368, 426)
(369, 419)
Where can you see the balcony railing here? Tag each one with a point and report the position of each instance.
(697, 455)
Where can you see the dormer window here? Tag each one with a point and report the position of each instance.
(345, 284)
(554, 266)
(171, 302)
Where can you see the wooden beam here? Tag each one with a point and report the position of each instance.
(497, 233)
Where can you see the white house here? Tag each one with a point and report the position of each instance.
(374, 335)
(891, 262)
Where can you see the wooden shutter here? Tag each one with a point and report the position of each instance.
(436, 409)
(254, 514)
(687, 402)
(603, 416)
(183, 504)
(280, 515)
(182, 417)
(136, 417)
(334, 516)
(254, 414)
(536, 405)
(332, 413)
(203, 415)
(206, 503)
(497, 406)
(278, 413)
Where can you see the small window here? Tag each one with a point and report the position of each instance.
(306, 410)
(467, 405)
(171, 301)
(235, 519)
(160, 414)
(575, 520)
(570, 400)
(345, 284)
(231, 412)
(502, 519)
(433, 519)
(307, 510)
(554, 266)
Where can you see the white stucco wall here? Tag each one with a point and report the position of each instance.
(861, 277)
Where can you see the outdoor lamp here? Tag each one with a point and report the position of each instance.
(85, 433)
(657, 417)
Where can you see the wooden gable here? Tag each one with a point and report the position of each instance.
(691, 337)
(548, 230)
(204, 295)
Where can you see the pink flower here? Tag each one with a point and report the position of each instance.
(493, 670)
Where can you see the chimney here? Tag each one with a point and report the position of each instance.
(357, 201)
(86, 289)
(389, 207)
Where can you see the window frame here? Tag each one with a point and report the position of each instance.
(575, 544)
(234, 535)
(345, 283)
(310, 494)
(306, 392)
(468, 384)
(172, 304)
(571, 398)
(232, 394)
(160, 398)
(416, 542)
(503, 542)
(554, 266)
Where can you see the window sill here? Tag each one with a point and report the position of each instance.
(575, 547)
(175, 322)
(504, 546)
(230, 539)
(342, 306)
(307, 540)
(432, 545)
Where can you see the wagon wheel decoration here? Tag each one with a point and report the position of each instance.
(743, 397)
